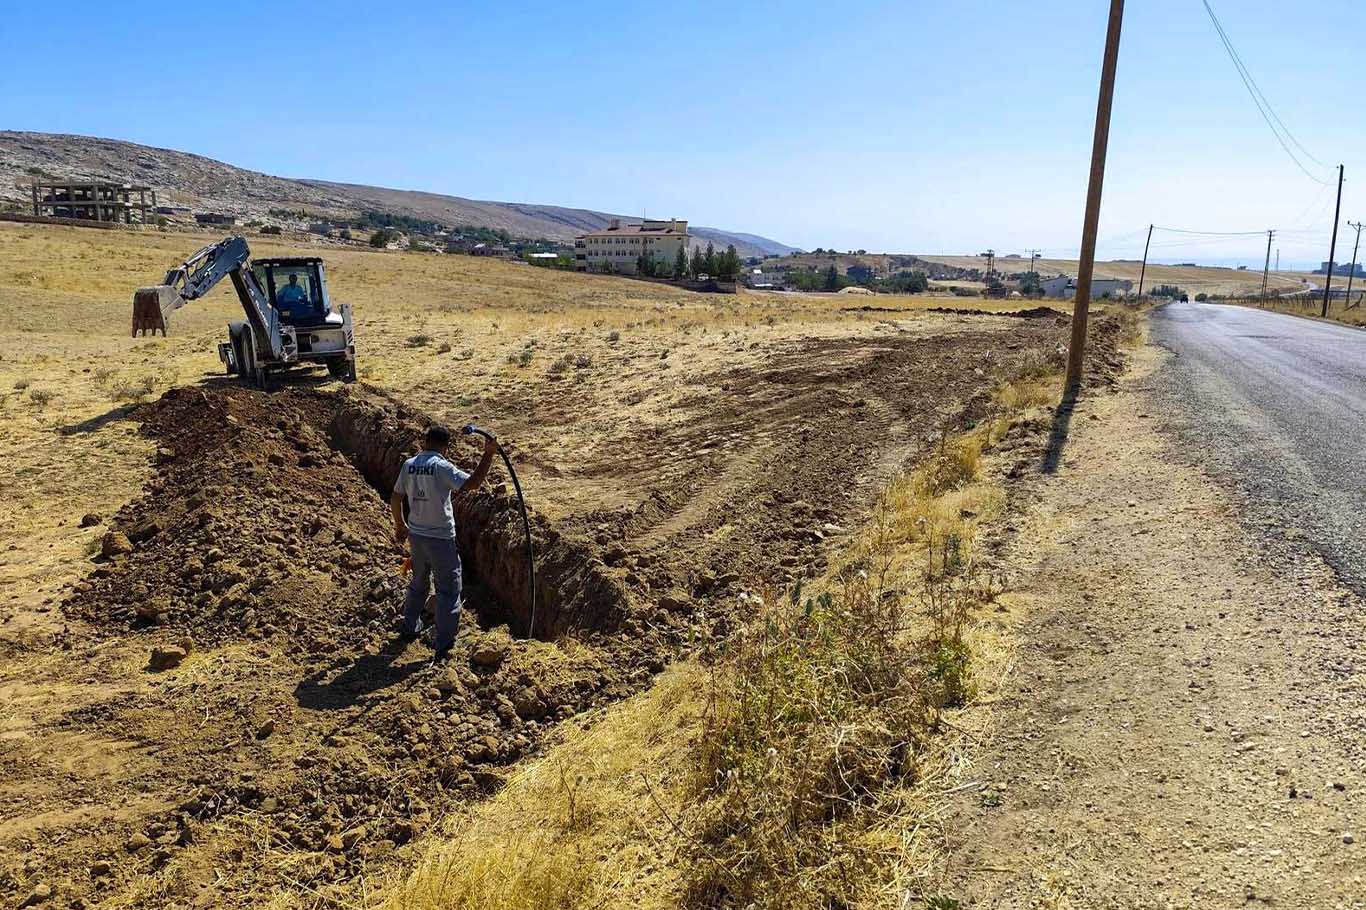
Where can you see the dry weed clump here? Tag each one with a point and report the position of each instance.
(133, 390)
(822, 717)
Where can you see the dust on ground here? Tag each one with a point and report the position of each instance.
(1182, 723)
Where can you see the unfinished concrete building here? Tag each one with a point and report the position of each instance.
(89, 200)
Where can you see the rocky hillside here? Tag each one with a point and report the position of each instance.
(204, 184)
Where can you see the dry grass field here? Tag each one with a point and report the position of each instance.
(680, 453)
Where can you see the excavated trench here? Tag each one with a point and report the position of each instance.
(574, 595)
(270, 511)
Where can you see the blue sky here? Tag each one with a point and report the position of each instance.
(911, 126)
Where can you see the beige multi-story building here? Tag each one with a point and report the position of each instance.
(618, 246)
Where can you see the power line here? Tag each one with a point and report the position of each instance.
(1158, 227)
(1263, 106)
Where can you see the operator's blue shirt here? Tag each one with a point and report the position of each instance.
(293, 299)
(428, 480)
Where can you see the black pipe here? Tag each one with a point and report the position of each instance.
(526, 522)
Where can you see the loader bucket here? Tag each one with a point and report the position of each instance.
(152, 307)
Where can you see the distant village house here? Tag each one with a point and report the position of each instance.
(1065, 287)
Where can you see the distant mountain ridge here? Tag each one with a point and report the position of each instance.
(204, 184)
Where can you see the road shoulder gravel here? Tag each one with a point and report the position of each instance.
(1184, 723)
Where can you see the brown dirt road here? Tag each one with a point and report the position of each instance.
(1184, 722)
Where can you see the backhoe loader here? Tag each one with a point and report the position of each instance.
(289, 317)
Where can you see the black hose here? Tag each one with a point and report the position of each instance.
(526, 523)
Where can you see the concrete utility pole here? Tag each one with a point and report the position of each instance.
(1144, 269)
(1267, 267)
(1352, 273)
(1082, 305)
(1333, 246)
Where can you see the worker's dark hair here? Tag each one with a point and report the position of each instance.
(438, 437)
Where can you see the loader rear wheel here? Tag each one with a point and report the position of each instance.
(252, 372)
(343, 369)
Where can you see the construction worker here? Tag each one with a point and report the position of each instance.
(293, 298)
(428, 482)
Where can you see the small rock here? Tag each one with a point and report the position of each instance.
(166, 658)
(675, 601)
(488, 654)
(528, 704)
(37, 896)
(350, 838)
(335, 843)
(264, 731)
(165, 455)
(115, 543)
(137, 842)
(100, 867)
(144, 531)
(1347, 838)
(90, 519)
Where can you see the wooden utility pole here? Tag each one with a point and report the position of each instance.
(1144, 269)
(1266, 269)
(1082, 305)
(1333, 246)
(1352, 273)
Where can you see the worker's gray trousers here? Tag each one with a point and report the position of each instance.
(438, 557)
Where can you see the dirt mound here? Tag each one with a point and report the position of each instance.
(253, 524)
(1038, 312)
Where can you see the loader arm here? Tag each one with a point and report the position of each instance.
(199, 274)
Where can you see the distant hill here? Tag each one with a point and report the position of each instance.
(203, 184)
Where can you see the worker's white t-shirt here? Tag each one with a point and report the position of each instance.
(428, 480)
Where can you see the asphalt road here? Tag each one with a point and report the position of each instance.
(1275, 406)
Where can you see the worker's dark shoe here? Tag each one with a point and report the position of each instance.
(406, 634)
(441, 656)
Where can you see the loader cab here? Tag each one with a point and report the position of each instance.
(297, 289)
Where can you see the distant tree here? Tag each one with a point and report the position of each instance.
(271, 229)
(383, 237)
(709, 262)
(728, 266)
(698, 265)
(681, 262)
(832, 279)
(345, 234)
(863, 252)
(1201, 298)
(1030, 285)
